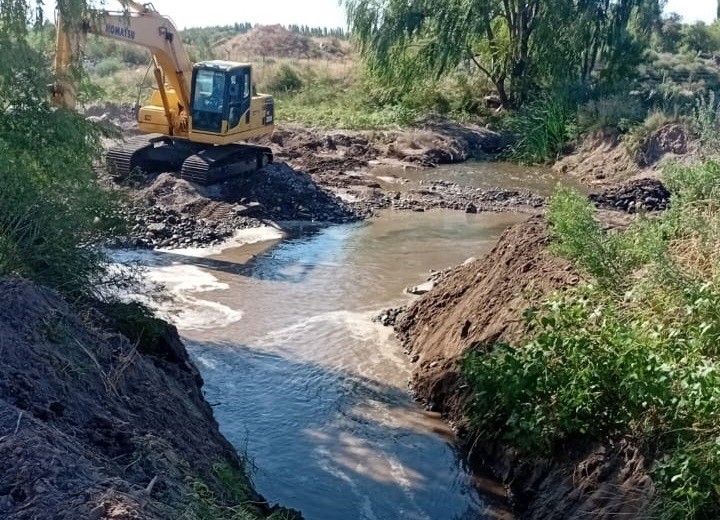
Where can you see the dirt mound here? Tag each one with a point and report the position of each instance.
(604, 159)
(481, 303)
(278, 42)
(91, 428)
(171, 212)
(673, 138)
(634, 196)
(478, 303)
(601, 160)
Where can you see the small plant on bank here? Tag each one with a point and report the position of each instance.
(234, 499)
(637, 356)
(544, 129)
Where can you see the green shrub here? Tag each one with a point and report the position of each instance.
(639, 357)
(286, 80)
(543, 129)
(107, 67)
(53, 213)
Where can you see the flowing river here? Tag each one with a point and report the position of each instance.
(306, 385)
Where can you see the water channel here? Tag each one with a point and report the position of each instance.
(304, 382)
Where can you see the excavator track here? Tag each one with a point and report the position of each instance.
(202, 164)
(119, 158)
(219, 163)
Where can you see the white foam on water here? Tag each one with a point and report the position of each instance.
(357, 327)
(241, 238)
(180, 283)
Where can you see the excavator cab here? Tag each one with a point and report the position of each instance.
(223, 101)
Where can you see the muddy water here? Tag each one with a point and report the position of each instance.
(302, 380)
(484, 175)
(315, 392)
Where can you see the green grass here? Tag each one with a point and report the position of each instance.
(635, 351)
(543, 128)
(233, 499)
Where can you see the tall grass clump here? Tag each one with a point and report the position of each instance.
(633, 351)
(543, 128)
(706, 122)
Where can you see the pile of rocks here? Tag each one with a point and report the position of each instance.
(634, 196)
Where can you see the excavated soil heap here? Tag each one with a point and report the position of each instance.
(480, 303)
(90, 428)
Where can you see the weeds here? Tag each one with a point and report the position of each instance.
(544, 129)
(707, 122)
(234, 499)
(631, 354)
(138, 323)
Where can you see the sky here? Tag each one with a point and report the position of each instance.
(320, 13)
(693, 10)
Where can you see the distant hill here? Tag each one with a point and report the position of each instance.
(279, 42)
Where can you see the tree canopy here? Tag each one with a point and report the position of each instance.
(519, 45)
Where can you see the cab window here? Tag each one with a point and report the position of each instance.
(239, 96)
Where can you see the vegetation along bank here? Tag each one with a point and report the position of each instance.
(578, 359)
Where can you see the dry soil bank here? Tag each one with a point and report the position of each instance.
(91, 428)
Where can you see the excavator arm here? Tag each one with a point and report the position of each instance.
(139, 24)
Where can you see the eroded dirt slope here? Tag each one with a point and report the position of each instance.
(480, 303)
(90, 428)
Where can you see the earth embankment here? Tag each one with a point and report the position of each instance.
(92, 427)
(479, 304)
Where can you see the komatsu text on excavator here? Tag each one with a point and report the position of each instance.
(196, 115)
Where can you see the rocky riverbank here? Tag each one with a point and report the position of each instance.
(322, 177)
(95, 426)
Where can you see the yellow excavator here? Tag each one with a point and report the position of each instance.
(197, 114)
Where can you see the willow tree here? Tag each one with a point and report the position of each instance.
(517, 44)
(52, 209)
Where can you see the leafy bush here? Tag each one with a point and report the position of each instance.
(572, 221)
(640, 357)
(286, 80)
(107, 67)
(53, 213)
(544, 128)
